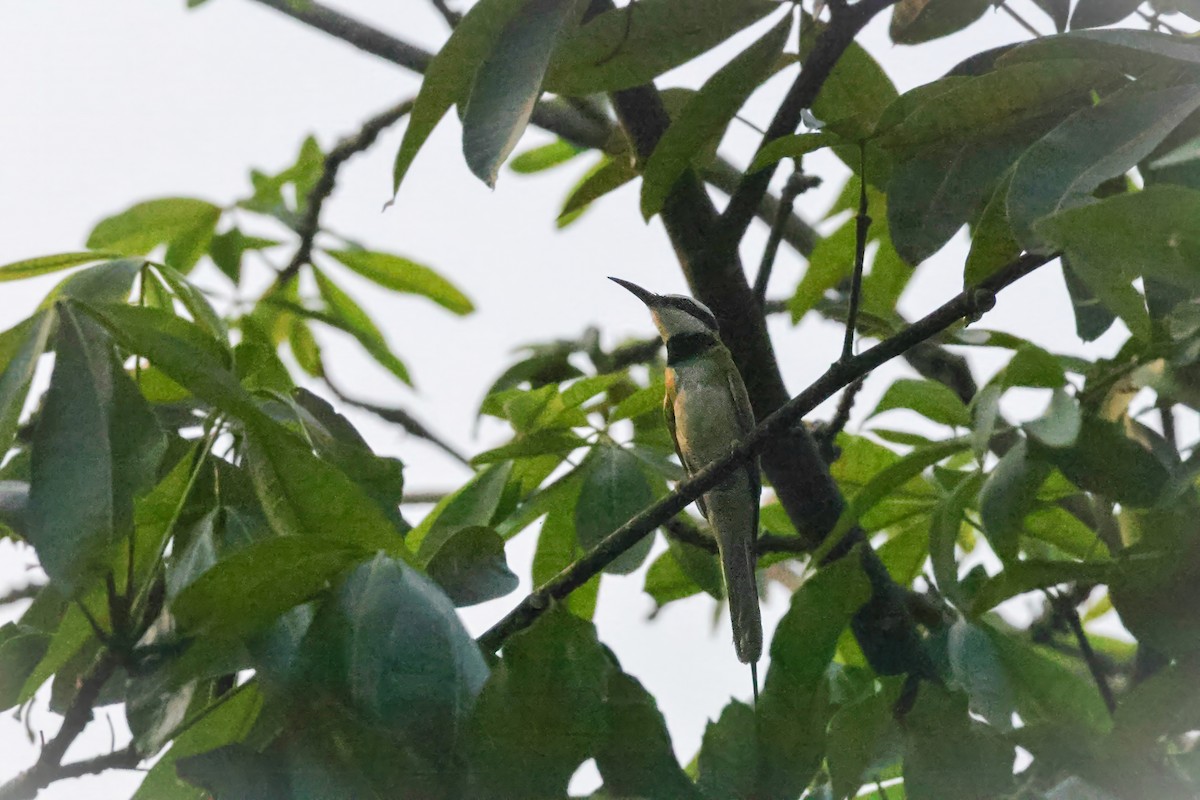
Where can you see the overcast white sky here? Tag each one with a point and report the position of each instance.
(106, 104)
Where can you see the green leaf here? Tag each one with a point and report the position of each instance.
(247, 591)
(944, 528)
(992, 242)
(1098, 13)
(888, 480)
(976, 667)
(916, 21)
(542, 712)
(1059, 425)
(183, 351)
(1033, 367)
(508, 84)
(792, 712)
(355, 321)
(853, 98)
(606, 176)
(1048, 691)
(71, 498)
(389, 644)
(197, 305)
(932, 400)
(473, 505)
(729, 758)
(449, 76)
(623, 47)
(1058, 10)
(538, 443)
(558, 548)
(615, 489)
(644, 401)
(946, 755)
(1152, 233)
(1020, 577)
(227, 249)
(992, 104)
(304, 495)
(229, 720)
(707, 113)
(21, 648)
(1008, 495)
(184, 223)
(545, 157)
(471, 568)
(1096, 143)
(109, 282)
(21, 346)
(635, 756)
(1106, 461)
(796, 145)
(941, 188)
(30, 267)
(857, 734)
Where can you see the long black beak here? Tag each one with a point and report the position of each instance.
(641, 294)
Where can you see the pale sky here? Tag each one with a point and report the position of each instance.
(107, 104)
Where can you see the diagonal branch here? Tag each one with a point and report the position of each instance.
(968, 304)
(310, 223)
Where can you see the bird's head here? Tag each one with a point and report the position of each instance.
(674, 314)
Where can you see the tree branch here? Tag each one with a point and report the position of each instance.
(310, 224)
(844, 25)
(49, 766)
(969, 303)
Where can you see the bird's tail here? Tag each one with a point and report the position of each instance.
(738, 562)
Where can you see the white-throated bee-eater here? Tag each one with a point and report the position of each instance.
(708, 412)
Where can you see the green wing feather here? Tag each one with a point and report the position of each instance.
(669, 413)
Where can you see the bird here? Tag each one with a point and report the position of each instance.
(708, 412)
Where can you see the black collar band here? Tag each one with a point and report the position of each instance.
(683, 346)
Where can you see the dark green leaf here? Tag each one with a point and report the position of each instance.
(20, 348)
(1106, 461)
(143, 227)
(247, 591)
(729, 754)
(626, 47)
(543, 710)
(992, 242)
(1008, 495)
(355, 321)
(977, 669)
(615, 488)
(1098, 13)
(1020, 577)
(944, 528)
(558, 548)
(916, 21)
(402, 275)
(21, 648)
(1034, 367)
(853, 98)
(304, 495)
(472, 505)
(857, 734)
(449, 76)
(707, 113)
(109, 282)
(471, 568)
(508, 84)
(553, 442)
(929, 399)
(795, 146)
(947, 755)
(1058, 10)
(390, 645)
(1096, 143)
(227, 249)
(635, 757)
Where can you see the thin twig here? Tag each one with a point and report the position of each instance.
(797, 184)
(969, 303)
(844, 25)
(310, 223)
(683, 529)
(1166, 413)
(1024, 23)
(398, 416)
(452, 17)
(19, 593)
(49, 766)
(1071, 614)
(862, 230)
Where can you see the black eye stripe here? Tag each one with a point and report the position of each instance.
(689, 306)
